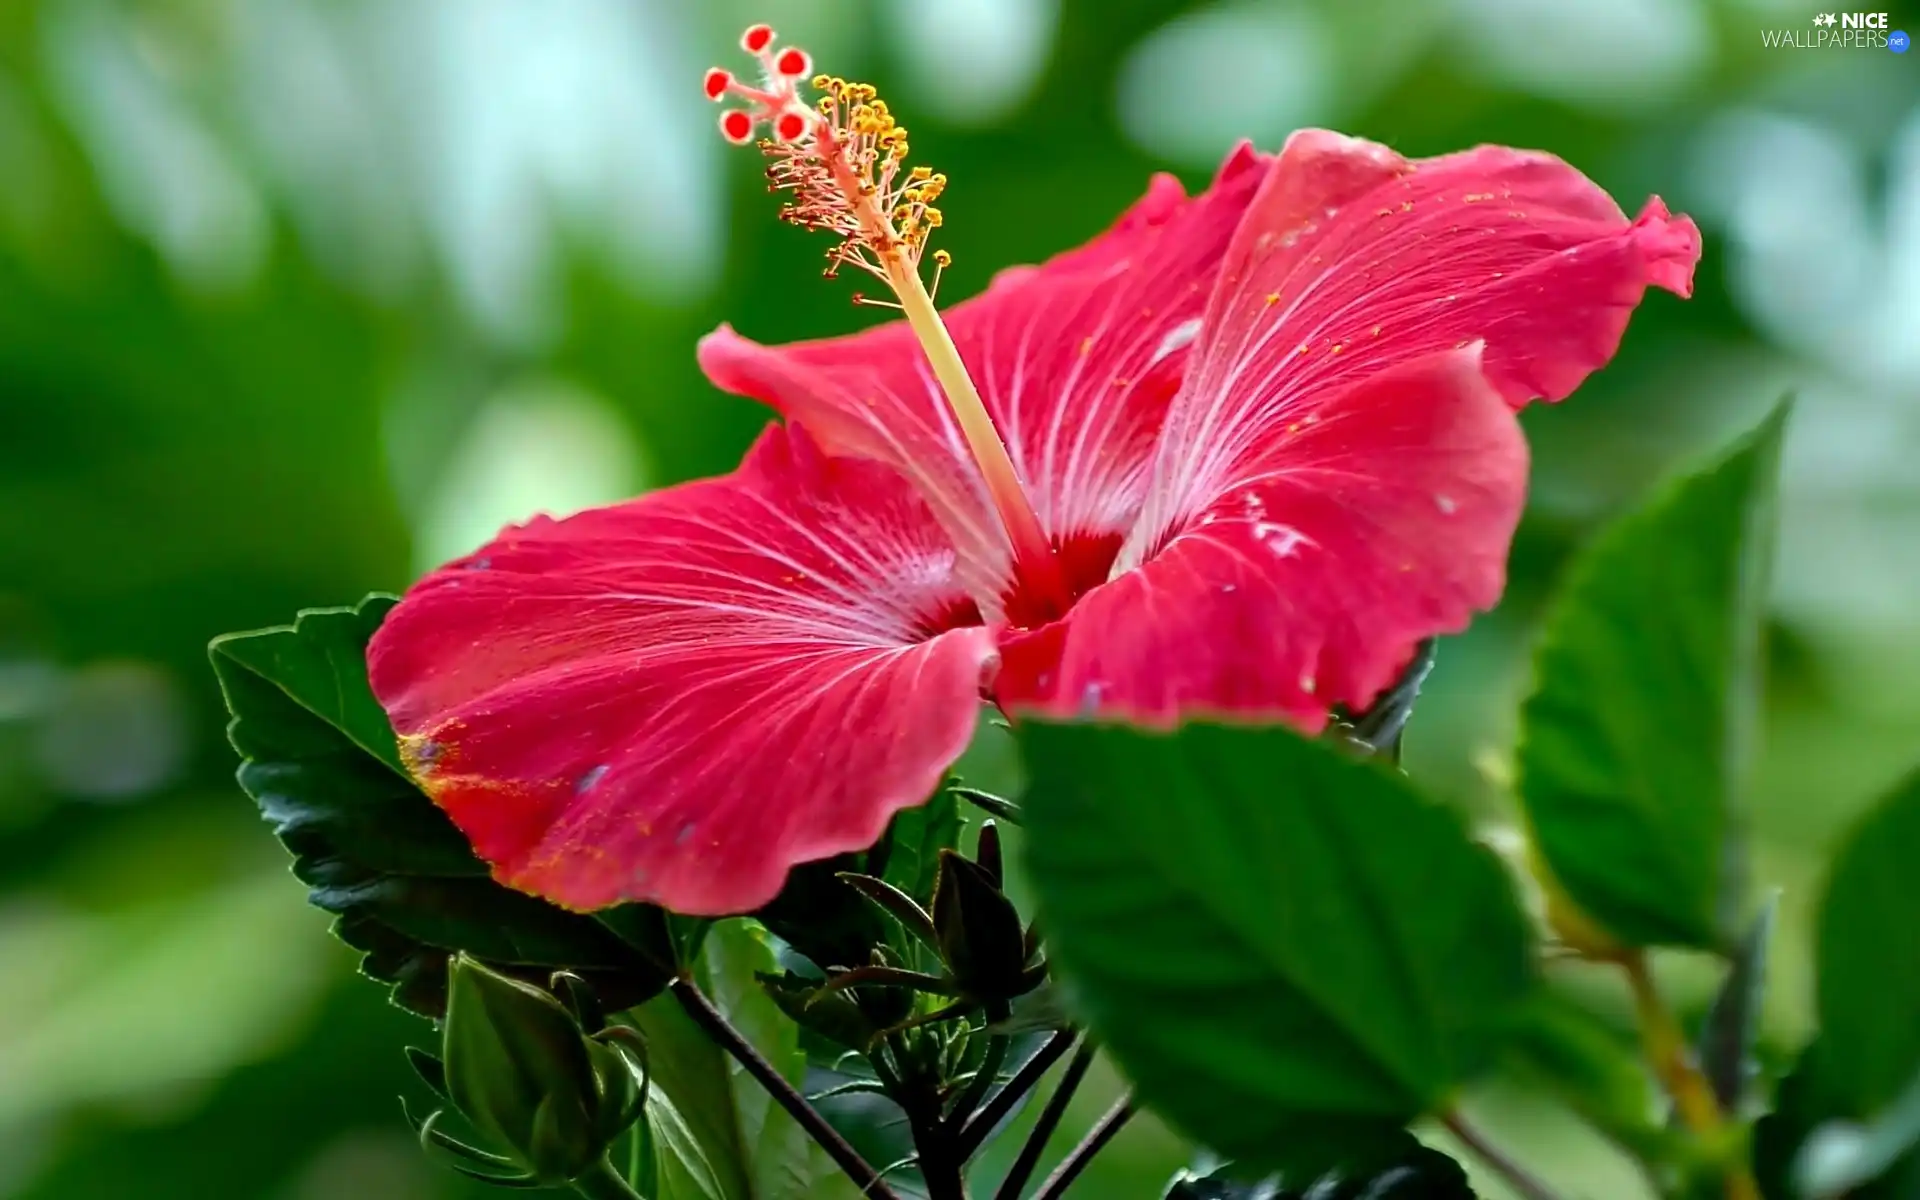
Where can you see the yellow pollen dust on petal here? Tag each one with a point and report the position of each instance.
(845, 174)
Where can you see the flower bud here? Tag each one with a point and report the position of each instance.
(979, 930)
(522, 1072)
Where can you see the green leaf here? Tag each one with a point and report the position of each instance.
(1039, 1011)
(916, 838)
(1854, 1088)
(1808, 1109)
(824, 918)
(320, 664)
(1869, 956)
(736, 1137)
(1289, 951)
(1565, 1050)
(321, 761)
(1421, 1173)
(1842, 1157)
(1634, 744)
(673, 1162)
(998, 807)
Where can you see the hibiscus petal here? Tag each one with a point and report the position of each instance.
(1352, 259)
(1380, 519)
(677, 698)
(1076, 359)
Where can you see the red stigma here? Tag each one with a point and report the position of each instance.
(736, 127)
(790, 126)
(793, 62)
(757, 38)
(717, 82)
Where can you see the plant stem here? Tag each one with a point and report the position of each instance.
(1671, 1059)
(1078, 1158)
(602, 1182)
(941, 1165)
(1524, 1181)
(935, 1146)
(1042, 1133)
(995, 1110)
(983, 1078)
(717, 1027)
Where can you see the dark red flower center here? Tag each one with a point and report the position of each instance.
(1085, 560)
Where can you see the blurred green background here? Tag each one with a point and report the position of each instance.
(298, 297)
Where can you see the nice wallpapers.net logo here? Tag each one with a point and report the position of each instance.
(1840, 31)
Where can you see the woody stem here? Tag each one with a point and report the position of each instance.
(710, 1019)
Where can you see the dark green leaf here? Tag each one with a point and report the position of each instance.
(1807, 1107)
(1422, 1173)
(1289, 951)
(1869, 955)
(823, 918)
(1634, 743)
(873, 1125)
(430, 1069)
(916, 838)
(1841, 1157)
(647, 929)
(1852, 1085)
(898, 905)
(994, 806)
(1039, 1011)
(417, 972)
(1799, 1101)
(320, 760)
(320, 664)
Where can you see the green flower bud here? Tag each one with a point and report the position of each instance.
(522, 1072)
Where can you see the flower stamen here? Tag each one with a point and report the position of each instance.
(843, 161)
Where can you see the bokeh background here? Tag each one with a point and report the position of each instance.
(298, 297)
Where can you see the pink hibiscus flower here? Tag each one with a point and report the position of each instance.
(1233, 458)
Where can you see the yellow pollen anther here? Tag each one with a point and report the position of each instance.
(842, 158)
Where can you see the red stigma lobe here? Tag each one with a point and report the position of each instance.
(736, 126)
(793, 62)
